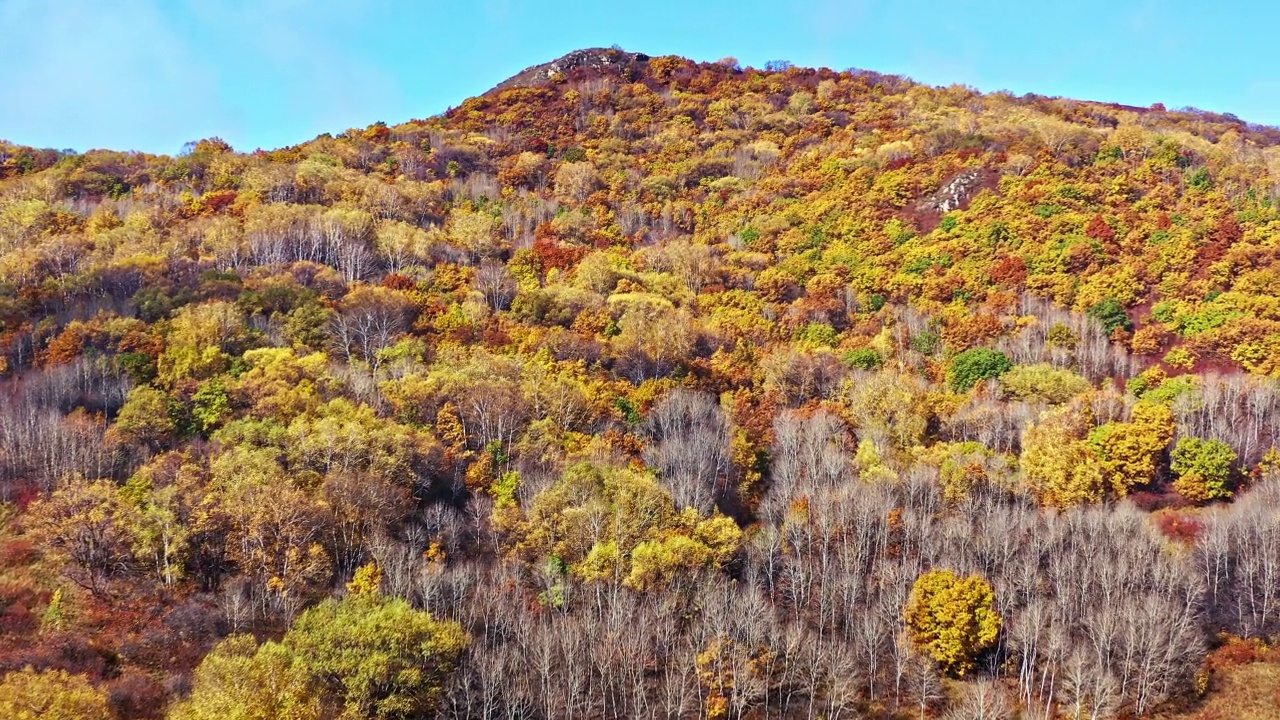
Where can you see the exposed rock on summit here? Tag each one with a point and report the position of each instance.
(600, 61)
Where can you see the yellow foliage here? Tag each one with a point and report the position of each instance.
(952, 619)
(1057, 464)
(1128, 452)
(615, 524)
(367, 580)
(51, 695)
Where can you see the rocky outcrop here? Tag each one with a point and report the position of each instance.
(600, 61)
(956, 193)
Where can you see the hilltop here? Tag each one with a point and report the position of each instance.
(579, 65)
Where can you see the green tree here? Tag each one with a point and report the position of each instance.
(210, 405)
(1204, 469)
(952, 619)
(307, 325)
(1111, 314)
(975, 365)
(145, 419)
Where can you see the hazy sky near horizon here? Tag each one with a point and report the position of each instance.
(152, 74)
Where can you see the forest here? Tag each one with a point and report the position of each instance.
(640, 387)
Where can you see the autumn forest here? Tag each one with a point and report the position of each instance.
(639, 387)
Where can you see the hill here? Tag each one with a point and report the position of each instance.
(643, 387)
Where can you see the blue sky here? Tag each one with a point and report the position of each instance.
(152, 74)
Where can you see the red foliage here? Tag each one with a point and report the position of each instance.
(548, 253)
(217, 201)
(627, 444)
(1236, 651)
(64, 348)
(536, 145)
(1228, 231)
(137, 341)
(1178, 526)
(1098, 229)
(136, 694)
(396, 281)
(16, 552)
(972, 330)
(18, 604)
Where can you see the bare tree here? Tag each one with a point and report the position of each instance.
(369, 321)
(689, 448)
(496, 283)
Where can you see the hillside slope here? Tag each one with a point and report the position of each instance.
(668, 389)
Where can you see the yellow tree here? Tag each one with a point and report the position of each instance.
(1129, 453)
(613, 524)
(952, 619)
(86, 526)
(51, 695)
(377, 657)
(238, 679)
(198, 341)
(1060, 468)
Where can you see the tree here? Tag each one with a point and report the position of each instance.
(87, 525)
(200, 343)
(654, 339)
(1204, 469)
(1042, 383)
(1111, 314)
(144, 420)
(975, 365)
(275, 527)
(1061, 469)
(402, 245)
(1129, 453)
(364, 656)
(952, 619)
(617, 524)
(378, 657)
(240, 680)
(496, 283)
(157, 522)
(369, 320)
(474, 232)
(51, 695)
(576, 180)
(689, 447)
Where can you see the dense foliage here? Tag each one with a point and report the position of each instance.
(656, 389)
